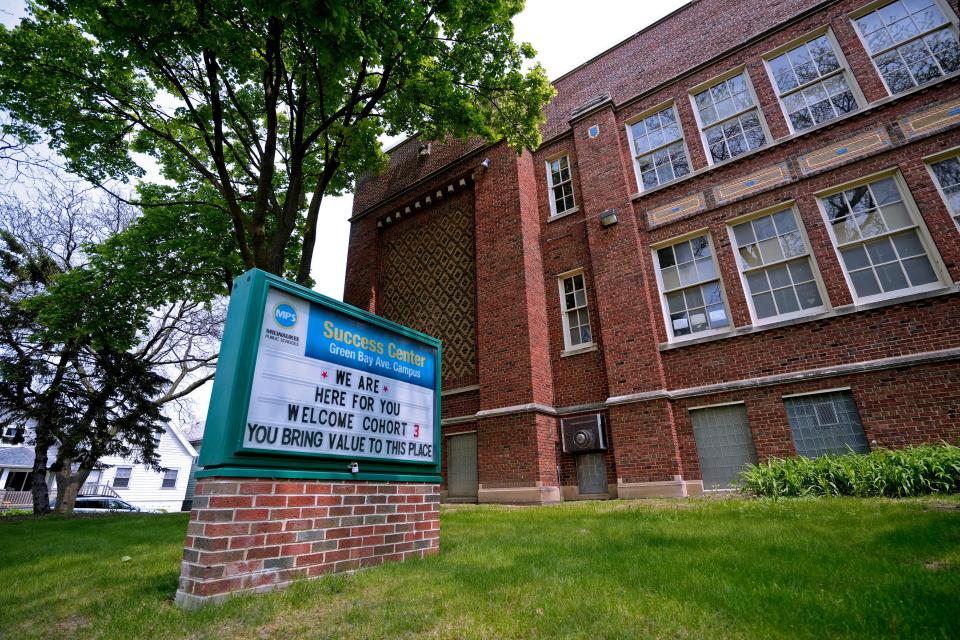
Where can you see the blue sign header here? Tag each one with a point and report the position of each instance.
(340, 339)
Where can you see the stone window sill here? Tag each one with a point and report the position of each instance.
(830, 313)
(566, 353)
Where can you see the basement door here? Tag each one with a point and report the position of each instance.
(724, 444)
(591, 474)
(462, 466)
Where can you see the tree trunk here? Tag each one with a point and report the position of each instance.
(38, 478)
(68, 487)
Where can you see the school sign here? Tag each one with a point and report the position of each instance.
(310, 387)
(321, 451)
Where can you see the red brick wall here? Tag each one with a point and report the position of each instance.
(521, 251)
(898, 407)
(247, 534)
(511, 306)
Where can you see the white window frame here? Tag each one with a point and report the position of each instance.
(951, 23)
(176, 478)
(844, 70)
(633, 151)
(9, 432)
(116, 475)
(665, 308)
(550, 186)
(701, 127)
(814, 267)
(931, 160)
(936, 262)
(583, 346)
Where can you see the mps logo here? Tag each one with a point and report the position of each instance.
(285, 315)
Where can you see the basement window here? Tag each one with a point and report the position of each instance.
(825, 423)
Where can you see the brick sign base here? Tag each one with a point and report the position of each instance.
(261, 534)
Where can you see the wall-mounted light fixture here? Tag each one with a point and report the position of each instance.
(608, 218)
(485, 163)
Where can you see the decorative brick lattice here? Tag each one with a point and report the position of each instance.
(262, 534)
(429, 283)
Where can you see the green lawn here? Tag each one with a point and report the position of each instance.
(670, 569)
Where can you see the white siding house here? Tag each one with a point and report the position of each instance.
(137, 484)
(151, 490)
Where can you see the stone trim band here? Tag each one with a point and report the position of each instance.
(894, 362)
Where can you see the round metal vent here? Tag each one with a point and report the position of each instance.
(583, 438)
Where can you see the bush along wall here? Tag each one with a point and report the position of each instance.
(911, 471)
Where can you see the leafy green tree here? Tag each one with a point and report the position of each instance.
(94, 342)
(257, 110)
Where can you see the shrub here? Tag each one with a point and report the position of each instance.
(911, 471)
(14, 513)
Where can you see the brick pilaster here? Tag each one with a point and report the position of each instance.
(646, 445)
(513, 345)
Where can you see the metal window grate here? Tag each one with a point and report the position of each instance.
(826, 413)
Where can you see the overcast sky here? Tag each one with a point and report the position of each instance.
(563, 39)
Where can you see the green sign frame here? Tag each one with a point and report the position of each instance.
(222, 453)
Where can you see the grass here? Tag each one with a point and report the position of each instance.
(838, 568)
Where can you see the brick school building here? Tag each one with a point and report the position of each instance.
(739, 239)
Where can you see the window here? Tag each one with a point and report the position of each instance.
(169, 479)
(19, 481)
(724, 444)
(775, 263)
(947, 174)
(812, 83)
(658, 149)
(881, 244)
(9, 433)
(825, 423)
(729, 120)
(911, 42)
(690, 284)
(561, 186)
(121, 480)
(576, 318)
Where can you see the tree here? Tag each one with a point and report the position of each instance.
(35, 374)
(92, 345)
(258, 110)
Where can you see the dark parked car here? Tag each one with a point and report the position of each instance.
(102, 504)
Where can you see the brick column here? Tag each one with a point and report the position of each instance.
(360, 281)
(646, 452)
(517, 447)
(261, 534)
